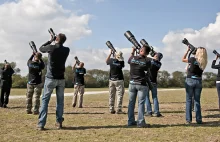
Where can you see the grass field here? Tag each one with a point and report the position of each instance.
(94, 123)
(15, 92)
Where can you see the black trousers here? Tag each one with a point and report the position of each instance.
(5, 92)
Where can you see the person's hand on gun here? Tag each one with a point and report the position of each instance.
(53, 38)
(133, 50)
(111, 51)
(188, 49)
(217, 57)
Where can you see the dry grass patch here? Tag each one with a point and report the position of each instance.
(95, 123)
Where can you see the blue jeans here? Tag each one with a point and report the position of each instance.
(49, 85)
(155, 101)
(193, 86)
(218, 90)
(134, 91)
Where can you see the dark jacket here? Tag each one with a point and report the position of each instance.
(35, 71)
(57, 55)
(6, 77)
(216, 67)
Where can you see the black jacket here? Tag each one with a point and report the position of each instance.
(35, 71)
(6, 76)
(216, 67)
(57, 55)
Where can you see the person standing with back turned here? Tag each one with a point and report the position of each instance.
(217, 66)
(116, 81)
(193, 83)
(57, 55)
(139, 65)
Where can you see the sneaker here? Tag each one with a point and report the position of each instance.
(149, 114)
(199, 122)
(120, 112)
(40, 128)
(112, 111)
(80, 107)
(158, 115)
(59, 124)
(133, 123)
(144, 126)
(188, 122)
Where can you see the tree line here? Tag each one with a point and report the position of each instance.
(96, 78)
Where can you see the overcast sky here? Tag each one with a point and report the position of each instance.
(88, 24)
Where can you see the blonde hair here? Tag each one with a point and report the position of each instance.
(201, 57)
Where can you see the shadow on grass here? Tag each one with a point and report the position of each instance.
(212, 110)
(212, 116)
(172, 111)
(96, 107)
(81, 113)
(172, 102)
(16, 107)
(205, 124)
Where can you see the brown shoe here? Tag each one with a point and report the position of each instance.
(29, 112)
(144, 126)
(112, 111)
(36, 113)
(120, 112)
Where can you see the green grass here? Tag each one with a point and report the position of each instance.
(94, 123)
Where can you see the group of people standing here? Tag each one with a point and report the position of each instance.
(141, 69)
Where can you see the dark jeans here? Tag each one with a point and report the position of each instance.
(155, 101)
(218, 90)
(193, 86)
(5, 92)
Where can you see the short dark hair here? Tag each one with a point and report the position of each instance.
(62, 38)
(38, 55)
(146, 49)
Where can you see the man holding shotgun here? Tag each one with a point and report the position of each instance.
(34, 85)
(79, 72)
(116, 79)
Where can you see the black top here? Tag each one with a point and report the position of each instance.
(56, 59)
(139, 65)
(216, 67)
(35, 71)
(79, 76)
(116, 69)
(6, 76)
(194, 70)
(155, 66)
